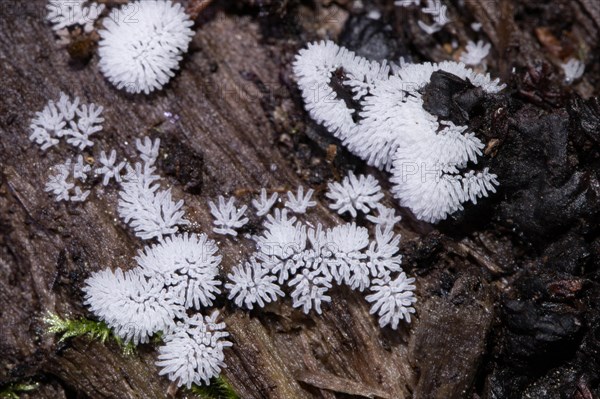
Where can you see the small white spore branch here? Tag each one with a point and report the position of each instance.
(393, 300)
(264, 204)
(227, 217)
(354, 194)
(148, 149)
(88, 122)
(110, 168)
(63, 183)
(406, 3)
(252, 284)
(386, 217)
(81, 170)
(475, 53)
(300, 202)
(58, 184)
(438, 12)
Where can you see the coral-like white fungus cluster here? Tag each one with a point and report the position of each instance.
(134, 306)
(142, 44)
(194, 352)
(428, 158)
(179, 274)
(188, 264)
(150, 211)
(65, 13)
(307, 261)
(393, 299)
(67, 119)
(172, 277)
(228, 218)
(253, 284)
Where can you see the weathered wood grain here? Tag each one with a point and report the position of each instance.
(233, 99)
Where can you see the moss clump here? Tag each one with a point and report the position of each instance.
(95, 330)
(14, 390)
(219, 388)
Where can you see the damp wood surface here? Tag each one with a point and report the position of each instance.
(507, 292)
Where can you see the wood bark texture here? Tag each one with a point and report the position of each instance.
(231, 122)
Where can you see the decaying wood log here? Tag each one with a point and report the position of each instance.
(230, 122)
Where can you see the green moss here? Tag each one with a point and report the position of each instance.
(13, 391)
(95, 330)
(219, 388)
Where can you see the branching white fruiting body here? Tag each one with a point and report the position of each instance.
(227, 217)
(308, 261)
(264, 204)
(392, 131)
(140, 50)
(475, 53)
(354, 194)
(193, 352)
(66, 118)
(151, 212)
(300, 202)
